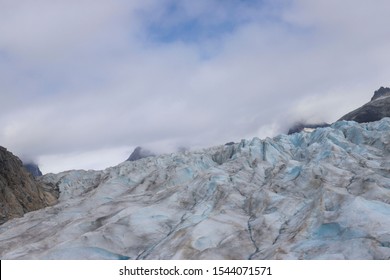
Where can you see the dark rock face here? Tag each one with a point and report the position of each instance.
(381, 92)
(139, 153)
(301, 126)
(33, 169)
(375, 110)
(19, 191)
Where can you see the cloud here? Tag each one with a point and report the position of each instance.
(98, 159)
(83, 78)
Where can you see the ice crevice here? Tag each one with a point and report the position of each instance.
(252, 238)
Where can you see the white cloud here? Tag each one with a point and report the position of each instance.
(79, 78)
(97, 159)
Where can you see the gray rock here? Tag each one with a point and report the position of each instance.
(33, 168)
(380, 93)
(298, 127)
(140, 153)
(376, 109)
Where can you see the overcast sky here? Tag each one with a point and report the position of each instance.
(83, 82)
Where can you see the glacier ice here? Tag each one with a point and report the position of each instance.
(323, 194)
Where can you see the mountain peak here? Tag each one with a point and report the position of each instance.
(33, 168)
(140, 153)
(383, 91)
(374, 110)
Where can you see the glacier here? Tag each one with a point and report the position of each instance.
(323, 194)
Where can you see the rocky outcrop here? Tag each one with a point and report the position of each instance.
(381, 93)
(376, 109)
(19, 191)
(140, 153)
(298, 127)
(33, 169)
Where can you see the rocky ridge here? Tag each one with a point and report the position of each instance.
(376, 109)
(380, 93)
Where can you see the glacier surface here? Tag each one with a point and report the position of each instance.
(311, 195)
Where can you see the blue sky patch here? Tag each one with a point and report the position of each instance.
(181, 22)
